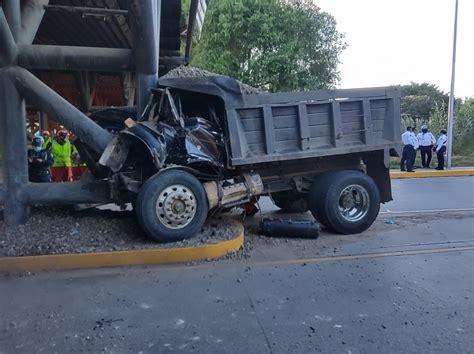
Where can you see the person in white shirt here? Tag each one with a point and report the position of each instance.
(441, 148)
(409, 143)
(426, 140)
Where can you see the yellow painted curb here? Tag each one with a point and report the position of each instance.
(426, 174)
(121, 258)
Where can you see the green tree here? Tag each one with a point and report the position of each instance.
(439, 118)
(419, 101)
(464, 127)
(418, 108)
(463, 134)
(274, 45)
(425, 89)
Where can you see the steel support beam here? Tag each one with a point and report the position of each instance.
(146, 48)
(15, 164)
(129, 84)
(48, 101)
(144, 83)
(13, 14)
(16, 85)
(86, 10)
(144, 23)
(51, 57)
(67, 193)
(43, 120)
(32, 12)
(86, 82)
(190, 31)
(8, 48)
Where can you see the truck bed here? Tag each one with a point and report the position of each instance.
(289, 126)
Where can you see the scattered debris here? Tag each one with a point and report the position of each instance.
(190, 71)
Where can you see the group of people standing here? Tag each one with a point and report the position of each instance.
(52, 158)
(427, 143)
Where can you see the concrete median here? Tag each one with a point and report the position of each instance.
(63, 262)
(425, 173)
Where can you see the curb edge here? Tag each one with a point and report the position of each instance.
(428, 174)
(62, 262)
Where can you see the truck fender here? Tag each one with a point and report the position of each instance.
(179, 167)
(117, 151)
(153, 141)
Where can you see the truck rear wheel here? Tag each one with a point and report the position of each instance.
(346, 202)
(290, 202)
(172, 206)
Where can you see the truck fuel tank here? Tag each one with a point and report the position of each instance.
(289, 228)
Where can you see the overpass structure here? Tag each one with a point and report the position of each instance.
(125, 43)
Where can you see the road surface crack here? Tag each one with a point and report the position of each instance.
(252, 306)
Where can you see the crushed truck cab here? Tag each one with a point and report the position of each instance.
(208, 143)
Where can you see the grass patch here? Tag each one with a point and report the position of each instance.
(458, 161)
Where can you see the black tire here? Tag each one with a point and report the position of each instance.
(346, 202)
(290, 202)
(162, 224)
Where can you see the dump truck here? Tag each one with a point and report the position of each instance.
(206, 144)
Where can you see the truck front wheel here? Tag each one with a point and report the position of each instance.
(172, 206)
(346, 202)
(290, 202)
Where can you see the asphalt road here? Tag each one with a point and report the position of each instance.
(406, 286)
(421, 194)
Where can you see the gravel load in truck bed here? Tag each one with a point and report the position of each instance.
(63, 230)
(190, 71)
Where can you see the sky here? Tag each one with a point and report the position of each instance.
(394, 42)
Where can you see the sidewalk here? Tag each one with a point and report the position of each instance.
(426, 173)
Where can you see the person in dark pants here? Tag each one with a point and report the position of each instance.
(39, 161)
(416, 146)
(408, 151)
(441, 148)
(427, 141)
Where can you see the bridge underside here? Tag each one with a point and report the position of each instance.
(61, 59)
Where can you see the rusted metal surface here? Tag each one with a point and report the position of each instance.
(63, 112)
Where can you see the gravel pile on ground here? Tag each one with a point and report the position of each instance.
(61, 230)
(190, 71)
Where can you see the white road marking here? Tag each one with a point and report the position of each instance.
(388, 211)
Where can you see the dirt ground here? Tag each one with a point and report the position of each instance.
(63, 230)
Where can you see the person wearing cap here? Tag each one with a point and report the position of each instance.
(441, 148)
(47, 139)
(39, 160)
(409, 143)
(61, 170)
(426, 140)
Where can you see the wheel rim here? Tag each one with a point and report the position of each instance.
(176, 206)
(354, 203)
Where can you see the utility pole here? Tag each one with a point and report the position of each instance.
(451, 93)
